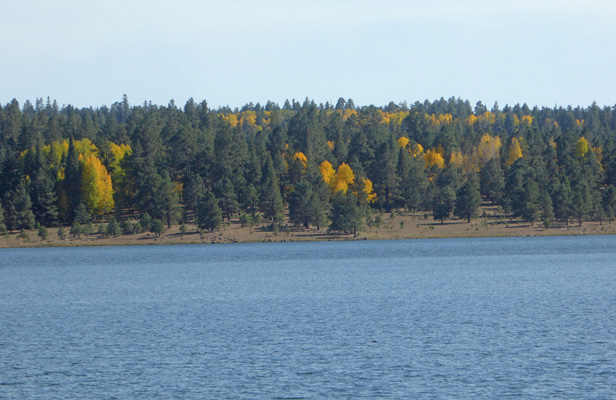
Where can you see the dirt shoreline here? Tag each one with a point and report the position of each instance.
(392, 227)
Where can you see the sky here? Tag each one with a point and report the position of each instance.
(233, 52)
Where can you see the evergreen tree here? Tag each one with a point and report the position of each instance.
(157, 197)
(82, 215)
(76, 230)
(72, 182)
(468, 199)
(444, 203)
(271, 201)
(157, 227)
(300, 212)
(44, 199)
(608, 202)
(2, 225)
(193, 195)
(581, 201)
(492, 180)
(209, 214)
(113, 228)
(227, 199)
(346, 215)
(19, 213)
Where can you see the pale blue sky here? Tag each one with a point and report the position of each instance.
(233, 52)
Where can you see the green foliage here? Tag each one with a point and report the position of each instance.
(127, 228)
(157, 227)
(244, 220)
(61, 233)
(444, 203)
(113, 228)
(163, 159)
(82, 215)
(209, 214)
(76, 229)
(43, 233)
(24, 235)
(346, 215)
(468, 199)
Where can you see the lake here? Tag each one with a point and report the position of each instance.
(484, 318)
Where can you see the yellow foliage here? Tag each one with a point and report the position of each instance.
(231, 119)
(403, 141)
(516, 121)
(471, 120)
(581, 147)
(337, 180)
(368, 191)
(440, 150)
(327, 172)
(96, 185)
(579, 123)
(488, 117)
(347, 114)
(433, 157)
(119, 151)
(488, 148)
(456, 159)
(440, 119)
(514, 152)
(301, 157)
(330, 144)
(178, 187)
(344, 177)
(85, 147)
(417, 150)
(527, 120)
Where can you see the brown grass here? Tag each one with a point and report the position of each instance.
(398, 226)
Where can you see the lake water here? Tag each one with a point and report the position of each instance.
(493, 318)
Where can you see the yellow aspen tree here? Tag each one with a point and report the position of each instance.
(403, 141)
(581, 147)
(471, 120)
(527, 120)
(96, 185)
(514, 152)
(330, 144)
(456, 159)
(488, 148)
(417, 150)
(344, 177)
(370, 196)
(433, 157)
(327, 172)
(85, 147)
(299, 156)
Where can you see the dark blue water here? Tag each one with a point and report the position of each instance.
(523, 318)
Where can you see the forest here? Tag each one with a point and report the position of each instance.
(322, 166)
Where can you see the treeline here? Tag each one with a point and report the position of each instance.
(323, 166)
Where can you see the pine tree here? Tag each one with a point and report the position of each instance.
(2, 225)
(44, 199)
(444, 203)
(19, 211)
(227, 198)
(300, 204)
(209, 214)
(346, 215)
(72, 181)
(468, 199)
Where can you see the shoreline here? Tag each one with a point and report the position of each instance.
(398, 227)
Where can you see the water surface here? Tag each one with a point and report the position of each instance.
(493, 318)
